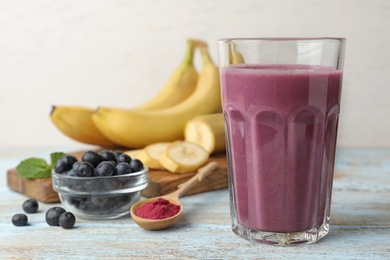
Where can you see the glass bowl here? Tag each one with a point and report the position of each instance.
(100, 197)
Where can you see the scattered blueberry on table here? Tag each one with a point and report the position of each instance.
(19, 220)
(55, 216)
(30, 206)
(67, 220)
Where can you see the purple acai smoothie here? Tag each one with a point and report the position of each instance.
(282, 122)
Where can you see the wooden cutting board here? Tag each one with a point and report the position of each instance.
(39, 189)
(160, 182)
(163, 182)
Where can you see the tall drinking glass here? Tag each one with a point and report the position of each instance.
(281, 101)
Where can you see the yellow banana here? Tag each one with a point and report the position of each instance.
(235, 57)
(138, 128)
(183, 157)
(76, 122)
(150, 155)
(133, 153)
(180, 85)
(207, 131)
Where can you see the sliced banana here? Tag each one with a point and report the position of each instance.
(133, 153)
(208, 131)
(150, 155)
(183, 156)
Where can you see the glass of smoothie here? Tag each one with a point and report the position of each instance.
(281, 102)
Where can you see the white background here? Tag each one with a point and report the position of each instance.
(120, 53)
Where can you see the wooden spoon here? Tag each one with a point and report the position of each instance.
(157, 224)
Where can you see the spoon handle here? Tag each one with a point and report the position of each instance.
(202, 173)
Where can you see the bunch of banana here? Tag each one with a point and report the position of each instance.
(76, 121)
(137, 128)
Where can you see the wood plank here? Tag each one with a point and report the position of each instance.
(360, 208)
(39, 189)
(362, 170)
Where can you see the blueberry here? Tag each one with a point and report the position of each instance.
(61, 166)
(105, 169)
(19, 220)
(113, 163)
(136, 165)
(117, 153)
(99, 200)
(85, 204)
(99, 204)
(67, 220)
(108, 155)
(69, 159)
(95, 174)
(72, 173)
(92, 157)
(124, 158)
(72, 200)
(30, 206)
(122, 168)
(53, 215)
(75, 165)
(64, 164)
(85, 169)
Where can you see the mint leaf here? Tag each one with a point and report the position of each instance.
(54, 157)
(33, 168)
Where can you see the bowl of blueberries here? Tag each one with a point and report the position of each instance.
(102, 185)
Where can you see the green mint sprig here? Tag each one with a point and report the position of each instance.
(37, 168)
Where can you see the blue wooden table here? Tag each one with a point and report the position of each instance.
(360, 222)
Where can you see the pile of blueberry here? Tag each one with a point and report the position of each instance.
(55, 216)
(97, 196)
(98, 164)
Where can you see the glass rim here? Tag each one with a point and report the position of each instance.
(280, 39)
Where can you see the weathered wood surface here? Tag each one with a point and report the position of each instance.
(360, 223)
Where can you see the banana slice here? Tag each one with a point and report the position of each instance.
(150, 155)
(183, 156)
(133, 153)
(208, 131)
